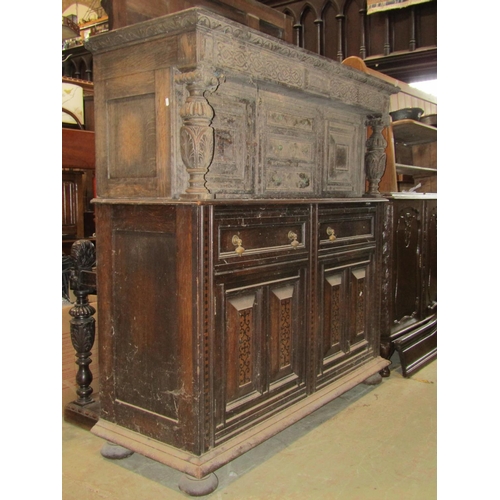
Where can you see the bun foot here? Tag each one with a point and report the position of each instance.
(115, 451)
(375, 379)
(198, 487)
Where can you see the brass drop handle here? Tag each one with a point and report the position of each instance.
(237, 243)
(293, 239)
(331, 234)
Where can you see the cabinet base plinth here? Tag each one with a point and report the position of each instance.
(201, 466)
(198, 487)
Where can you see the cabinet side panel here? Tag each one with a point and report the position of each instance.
(147, 359)
(148, 342)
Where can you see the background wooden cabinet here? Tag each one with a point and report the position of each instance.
(411, 310)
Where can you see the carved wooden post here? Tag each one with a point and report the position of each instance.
(297, 29)
(413, 39)
(375, 156)
(362, 47)
(319, 32)
(387, 41)
(340, 52)
(197, 136)
(82, 324)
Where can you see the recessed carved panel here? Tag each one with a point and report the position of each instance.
(342, 165)
(281, 316)
(289, 146)
(406, 297)
(358, 304)
(333, 312)
(232, 168)
(240, 335)
(132, 137)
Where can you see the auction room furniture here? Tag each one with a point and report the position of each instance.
(409, 312)
(239, 257)
(78, 160)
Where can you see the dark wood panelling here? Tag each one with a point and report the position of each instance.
(400, 42)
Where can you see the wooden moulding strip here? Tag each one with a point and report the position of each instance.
(203, 465)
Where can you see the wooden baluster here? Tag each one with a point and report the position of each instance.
(297, 28)
(340, 52)
(320, 45)
(82, 324)
(387, 44)
(413, 39)
(362, 48)
(88, 68)
(76, 65)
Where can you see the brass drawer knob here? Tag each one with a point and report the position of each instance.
(237, 243)
(293, 239)
(331, 234)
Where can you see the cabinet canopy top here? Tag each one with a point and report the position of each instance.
(222, 42)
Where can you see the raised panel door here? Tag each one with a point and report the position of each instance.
(344, 314)
(406, 262)
(260, 355)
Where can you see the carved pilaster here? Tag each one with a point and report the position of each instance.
(196, 134)
(375, 156)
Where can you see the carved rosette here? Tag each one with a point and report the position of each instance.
(196, 134)
(375, 156)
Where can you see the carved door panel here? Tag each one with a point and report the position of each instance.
(259, 347)
(407, 262)
(430, 285)
(344, 314)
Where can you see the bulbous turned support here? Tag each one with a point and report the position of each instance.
(386, 351)
(115, 451)
(198, 487)
(375, 156)
(82, 324)
(196, 134)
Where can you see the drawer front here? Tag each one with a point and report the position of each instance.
(337, 228)
(259, 231)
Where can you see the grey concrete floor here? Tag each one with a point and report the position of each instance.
(373, 442)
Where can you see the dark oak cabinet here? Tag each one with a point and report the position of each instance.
(239, 257)
(222, 316)
(411, 312)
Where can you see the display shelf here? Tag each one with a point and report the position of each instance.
(414, 170)
(411, 132)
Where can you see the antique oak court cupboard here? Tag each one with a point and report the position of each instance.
(239, 259)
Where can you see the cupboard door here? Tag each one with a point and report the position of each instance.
(406, 262)
(259, 348)
(344, 315)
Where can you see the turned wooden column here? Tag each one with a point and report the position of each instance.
(340, 52)
(82, 324)
(197, 134)
(362, 47)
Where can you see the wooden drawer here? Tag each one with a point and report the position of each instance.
(256, 231)
(341, 227)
